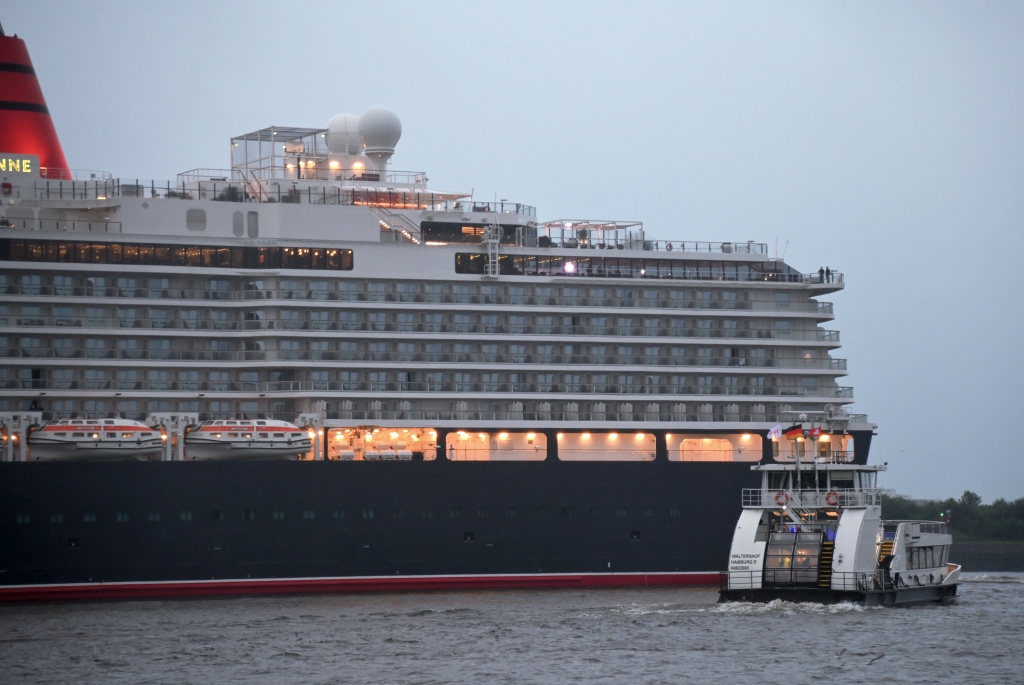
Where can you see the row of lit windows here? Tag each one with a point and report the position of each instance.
(80, 252)
(365, 513)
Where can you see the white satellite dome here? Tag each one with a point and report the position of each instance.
(379, 128)
(343, 135)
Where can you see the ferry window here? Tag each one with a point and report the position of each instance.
(808, 480)
(540, 512)
(483, 512)
(308, 514)
(648, 511)
(841, 480)
(338, 513)
(778, 480)
(511, 512)
(23, 518)
(427, 513)
(154, 516)
(566, 511)
(57, 518)
(367, 513)
(122, 516)
(185, 515)
(454, 512)
(217, 515)
(675, 512)
(868, 479)
(620, 512)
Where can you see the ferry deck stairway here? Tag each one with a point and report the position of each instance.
(825, 564)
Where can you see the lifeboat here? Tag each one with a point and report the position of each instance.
(238, 439)
(93, 439)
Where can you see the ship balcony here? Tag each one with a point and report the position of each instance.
(63, 322)
(454, 389)
(814, 499)
(822, 309)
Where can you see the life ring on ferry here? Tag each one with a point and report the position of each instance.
(832, 498)
(781, 498)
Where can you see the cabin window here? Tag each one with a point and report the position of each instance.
(540, 512)
(778, 480)
(217, 515)
(454, 512)
(868, 479)
(122, 516)
(89, 518)
(154, 516)
(469, 536)
(496, 446)
(57, 518)
(308, 514)
(621, 512)
(566, 512)
(23, 518)
(595, 512)
(426, 513)
(675, 512)
(338, 513)
(634, 535)
(278, 514)
(511, 512)
(483, 512)
(714, 447)
(639, 446)
(248, 514)
(367, 513)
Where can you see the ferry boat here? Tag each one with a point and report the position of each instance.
(251, 439)
(494, 400)
(813, 532)
(88, 439)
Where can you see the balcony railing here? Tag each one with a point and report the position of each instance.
(428, 328)
(59, 225)
(611, 391)
(573, 302)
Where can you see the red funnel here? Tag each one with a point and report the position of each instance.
(25, 124)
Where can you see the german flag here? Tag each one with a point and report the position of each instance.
(795, 431)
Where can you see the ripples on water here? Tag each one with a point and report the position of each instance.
(559, 636)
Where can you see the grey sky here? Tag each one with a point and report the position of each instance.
(881, 139)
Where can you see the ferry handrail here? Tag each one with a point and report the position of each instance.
(760, 497)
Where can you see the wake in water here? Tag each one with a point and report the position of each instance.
(992, 577)
(784, 607)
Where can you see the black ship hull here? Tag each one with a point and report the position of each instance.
(71, 529)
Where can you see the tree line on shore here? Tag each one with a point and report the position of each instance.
(968, 518)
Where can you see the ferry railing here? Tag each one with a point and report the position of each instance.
(796, 578)
(474, 206)
(139, 291)
(813, 499)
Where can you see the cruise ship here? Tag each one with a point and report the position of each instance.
(354, 378)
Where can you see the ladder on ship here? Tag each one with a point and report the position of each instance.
(825, 564)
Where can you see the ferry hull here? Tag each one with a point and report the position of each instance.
(406, 525)
(932, 594)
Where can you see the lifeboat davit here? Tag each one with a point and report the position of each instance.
(93, 439)
(238, 439)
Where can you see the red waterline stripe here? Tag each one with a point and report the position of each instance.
(202, 588)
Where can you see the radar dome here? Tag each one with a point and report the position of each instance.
(379, 129)
(343, 135)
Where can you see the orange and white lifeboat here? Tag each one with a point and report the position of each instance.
(240, 439)
(93, 439)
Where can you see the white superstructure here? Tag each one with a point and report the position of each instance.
(311, 279)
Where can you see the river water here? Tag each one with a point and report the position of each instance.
(556, 636)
